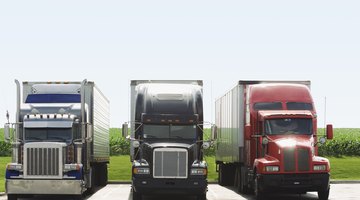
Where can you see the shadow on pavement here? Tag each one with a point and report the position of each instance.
(277, 196)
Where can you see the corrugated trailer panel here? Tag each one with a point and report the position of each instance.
(101, 123)
(229, 120)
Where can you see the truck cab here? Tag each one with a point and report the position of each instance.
(284, 141)
(287, 158)
(167, 140)
(268, 138)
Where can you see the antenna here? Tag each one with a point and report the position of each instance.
(324, 115)
(7, 116)
(211, 102)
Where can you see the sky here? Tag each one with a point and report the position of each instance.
(219, 42)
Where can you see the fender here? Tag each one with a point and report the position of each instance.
(261, 163)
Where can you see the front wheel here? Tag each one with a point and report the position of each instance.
(136, 195)
(243, 187)
(324, 194)
(201, 197)
(259, 195)
(77, 197)
(12, 197)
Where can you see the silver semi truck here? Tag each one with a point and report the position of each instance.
(167, 138)
(60, 140)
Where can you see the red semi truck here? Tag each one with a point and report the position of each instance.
(267, 140)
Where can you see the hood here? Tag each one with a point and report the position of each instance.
(278, 145)
(303, 141)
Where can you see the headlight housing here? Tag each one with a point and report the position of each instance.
(14, 166)
(272, 168)
(199, 171)
(141, 170)
(72, 167)
(319, 167)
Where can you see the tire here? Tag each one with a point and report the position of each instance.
(324, 194)
(91, 189)
(201, 197)
(259, 195)
(136, 195)
(243, 187)
(220, 175)
(12, 197)
(103, 175)
(226, 174)
(77, 197)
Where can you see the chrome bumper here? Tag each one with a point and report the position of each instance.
(22, 186)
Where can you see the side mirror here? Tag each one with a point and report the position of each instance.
(124, 130)
(135, 143)
(206, 145)
(329, 132)
(214, 132)
(322, 140)
(247, 132)
(265, 140)
(7, 132)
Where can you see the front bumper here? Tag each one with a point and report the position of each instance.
(169, 186)
(23, 186)
(294, 182)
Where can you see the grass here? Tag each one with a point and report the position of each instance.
(345, 168)
(3, 162)
(120, 168)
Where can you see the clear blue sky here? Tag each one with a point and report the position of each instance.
(220, 42)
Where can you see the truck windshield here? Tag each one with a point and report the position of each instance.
(48, 134)
(288, 126)
(268, 106)
(299, 106)
(169, 131)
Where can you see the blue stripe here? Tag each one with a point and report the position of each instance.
(53, 98)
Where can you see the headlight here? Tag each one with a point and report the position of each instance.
(14, 166)
(72, 167)
(319, 167)
(198, 171)
(272, 168)
(137, 170)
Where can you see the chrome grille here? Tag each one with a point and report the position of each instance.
(170, 163)
(43, 161)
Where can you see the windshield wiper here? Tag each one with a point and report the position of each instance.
(33, 138)
(149, 136)
(58, 138)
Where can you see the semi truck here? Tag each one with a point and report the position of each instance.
(267, 139)
(60, 140)
(167, 138)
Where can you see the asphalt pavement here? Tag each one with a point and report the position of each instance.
(216, 192)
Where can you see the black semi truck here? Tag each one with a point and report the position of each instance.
(167, 138)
